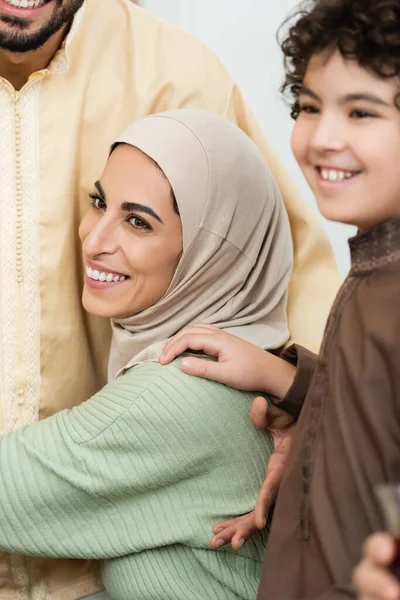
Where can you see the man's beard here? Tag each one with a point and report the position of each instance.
(19, 39)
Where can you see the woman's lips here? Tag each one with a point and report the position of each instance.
(103, 285)
(98, 278)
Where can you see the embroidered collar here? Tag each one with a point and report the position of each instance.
(375, 248)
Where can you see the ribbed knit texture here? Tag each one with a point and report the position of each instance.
(138, 475)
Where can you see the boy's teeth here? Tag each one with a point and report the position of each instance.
(335, 175)
(102, 276)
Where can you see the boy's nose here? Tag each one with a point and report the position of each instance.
(328, 136)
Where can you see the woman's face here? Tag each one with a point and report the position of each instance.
(131, 237)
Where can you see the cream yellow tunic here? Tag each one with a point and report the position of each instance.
(118, 64)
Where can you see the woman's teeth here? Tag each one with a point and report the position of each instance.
(102, 276)
(335, 174)
(26, 3)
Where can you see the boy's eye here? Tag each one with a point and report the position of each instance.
(97, 202)
(360, 114)
(309, 109)
(139, 223)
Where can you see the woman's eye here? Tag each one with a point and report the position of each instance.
(97, 202)
(360, 114)
(139, 223)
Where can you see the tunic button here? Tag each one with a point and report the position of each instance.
(20, 396)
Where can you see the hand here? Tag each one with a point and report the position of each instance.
(372, 578)
(240, 364)
(237, 531)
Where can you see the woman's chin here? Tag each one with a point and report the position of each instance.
(97, 307)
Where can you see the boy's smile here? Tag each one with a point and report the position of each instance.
(347, 140)
(330, 175)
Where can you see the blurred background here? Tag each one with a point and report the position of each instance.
(243, 34)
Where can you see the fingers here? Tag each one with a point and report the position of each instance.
(193, 329)
(269, 490)
(380, 548)
(235, 532)
(201, 367)
(258, 412)
(278, 418)
(194, 338)
(274, 475)
(268, 417)
(372, 578)
(265, 501)
(189, 341)
(224, 524)
(374, 583)
(242, 536)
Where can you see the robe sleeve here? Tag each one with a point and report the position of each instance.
(315, 279)
(305, 362)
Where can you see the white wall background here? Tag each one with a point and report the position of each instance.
(243, 34)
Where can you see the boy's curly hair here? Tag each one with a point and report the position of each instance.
(367, 31)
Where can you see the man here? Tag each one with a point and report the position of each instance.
(74, 74)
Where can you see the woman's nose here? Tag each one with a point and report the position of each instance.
(101, 238)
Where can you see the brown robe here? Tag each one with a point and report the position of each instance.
(348, 433)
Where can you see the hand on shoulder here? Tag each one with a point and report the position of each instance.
(239, 364)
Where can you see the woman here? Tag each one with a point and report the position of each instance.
(186, 224)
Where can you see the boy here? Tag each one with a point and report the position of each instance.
(343, 71)
(73, 75)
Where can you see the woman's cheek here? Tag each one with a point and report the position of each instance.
(87, 224)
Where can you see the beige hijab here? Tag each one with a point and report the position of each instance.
(237, 248)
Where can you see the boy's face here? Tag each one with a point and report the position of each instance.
(347, 141)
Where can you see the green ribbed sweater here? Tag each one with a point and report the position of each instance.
(137, 476)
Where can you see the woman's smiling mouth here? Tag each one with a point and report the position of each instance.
(98, 279)
(103, 276)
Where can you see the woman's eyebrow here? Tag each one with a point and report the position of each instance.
(100, 189)
(134, 206)
(130, 206)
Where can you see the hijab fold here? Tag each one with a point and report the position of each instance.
(237, 249)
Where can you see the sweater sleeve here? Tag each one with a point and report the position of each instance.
(148, 461)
